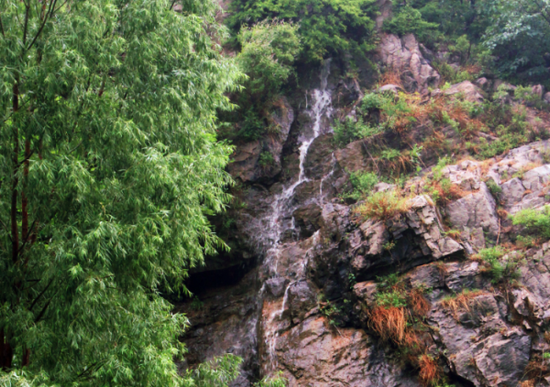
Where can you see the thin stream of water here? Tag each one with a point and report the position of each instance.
(321, 107)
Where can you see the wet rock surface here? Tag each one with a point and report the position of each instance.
(302, 307)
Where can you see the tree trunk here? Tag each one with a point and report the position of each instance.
(6, 353)
(14, 231)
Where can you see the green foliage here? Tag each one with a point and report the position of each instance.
(266, 159)
(382, 206)
(494, 188)
(518, 33)
(352, 129)
(269, 50)
(499, 270)
(536, 222)
(375, 101)
(389, 246)
(277, 381)
(388, 281)
(408, 20)
(437, 171)
(363, 183)
(326, 27)
(394, 298)
(329, 310)
(454, 17)
(352, 280)
(110, 167)
(511, 127)
(219, 372)
(461, 48)
(525, 94)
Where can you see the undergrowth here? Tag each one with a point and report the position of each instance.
(397, 316)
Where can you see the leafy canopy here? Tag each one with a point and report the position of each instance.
(519, 34)
(327, 27)
(109, 166)
(269, 50)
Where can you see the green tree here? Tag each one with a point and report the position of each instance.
(408, 20)
(327, 27)
(109, 166)
(519, 35)
(269, 50)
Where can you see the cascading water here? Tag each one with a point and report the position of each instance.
(322, 107)
(280, 217)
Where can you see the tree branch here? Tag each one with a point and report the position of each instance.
(27, 236)
(41, 314)
(41, 294)
(27, 10)
(14, 195)
(47, 16)
(2, 27)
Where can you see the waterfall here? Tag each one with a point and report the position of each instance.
(321, 107)
(271, 228)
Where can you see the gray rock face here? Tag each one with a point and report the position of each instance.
(316, 354)
(417, 238)
(302, 311)
(404, 56)
(475, 216)
(245, 165)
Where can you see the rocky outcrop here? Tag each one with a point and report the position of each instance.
(467, 90)
(261, 159)
(309, 269)
(416, 238)
(403, 56)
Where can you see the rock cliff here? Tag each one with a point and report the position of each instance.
(307, 269)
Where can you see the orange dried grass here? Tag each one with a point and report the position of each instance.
(418, 302)
(536, 369)
(389, 323)
(430, 372)
(461, 301)
(391, 77)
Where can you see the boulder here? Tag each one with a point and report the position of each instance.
(395, 89)
(538, 90)
(470, 91)
(479, 344)
(403, 55)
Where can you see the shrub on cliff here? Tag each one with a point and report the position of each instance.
(327, 27)
(383, 205)
(408, 20)
(269, 50)
(536, 222)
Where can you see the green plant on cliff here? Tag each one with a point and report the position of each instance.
(535, 221)
(276, 381)
(352, 129)
(109, 166)
(363, 183)
(500, 269)
(382, 206)
(268, 52)
(407, 20)
(327, 27)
